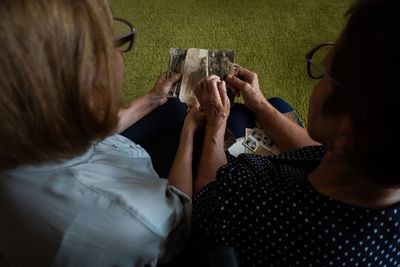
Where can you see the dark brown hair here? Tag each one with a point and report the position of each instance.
(366, 62)
(53, 103)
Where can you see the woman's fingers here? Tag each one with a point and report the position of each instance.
(212, 96)
(174, 78)
(222, 92)
(237, 83)
(207, 88)
(213, 91)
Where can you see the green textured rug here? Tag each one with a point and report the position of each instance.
(270, 37)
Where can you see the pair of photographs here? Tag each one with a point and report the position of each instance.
(256, 138)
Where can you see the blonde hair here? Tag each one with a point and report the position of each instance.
(57, 79)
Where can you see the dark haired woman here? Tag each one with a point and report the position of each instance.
(332, 205)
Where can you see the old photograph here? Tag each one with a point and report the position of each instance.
(250, 143)
(221, 62)
(266, 142)
(193, 71)
(265, 147)
(257, 134)
(195, 64)
(176, 61)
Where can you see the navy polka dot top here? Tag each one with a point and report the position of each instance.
(265, 208)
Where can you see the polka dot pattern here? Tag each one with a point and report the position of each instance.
(265, 208)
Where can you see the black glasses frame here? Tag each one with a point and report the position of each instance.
(310, 62)
(128, 37)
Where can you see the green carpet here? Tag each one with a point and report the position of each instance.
(270, 37)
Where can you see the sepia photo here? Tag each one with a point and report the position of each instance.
(194, 70)
(221, 62)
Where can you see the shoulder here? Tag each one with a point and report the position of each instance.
(119, 146)
(120, 172)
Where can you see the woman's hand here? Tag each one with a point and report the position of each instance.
(246, 82)
(214, 102)
(160, 91)
(195, 119)
(213, 99)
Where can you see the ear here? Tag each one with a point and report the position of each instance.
(345, 138)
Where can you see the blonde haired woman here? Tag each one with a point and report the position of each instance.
(72, 192)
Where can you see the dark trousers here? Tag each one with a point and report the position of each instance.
(159, 131)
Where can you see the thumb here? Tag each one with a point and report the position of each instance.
(174, 78)
(238, 83)
(222, 91)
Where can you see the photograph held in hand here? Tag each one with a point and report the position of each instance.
(195, 64)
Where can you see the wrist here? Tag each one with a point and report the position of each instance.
(216, 128)
(216, 122)
(155, 99)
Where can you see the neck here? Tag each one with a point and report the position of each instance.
(336, 178)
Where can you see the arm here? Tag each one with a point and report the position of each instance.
(140, 107)
(286, 134)
(180, 174)
(135, 110)
(212, 157)
(215, 104)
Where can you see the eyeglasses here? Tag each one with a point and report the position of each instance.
(316, 58)
(126, 34)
